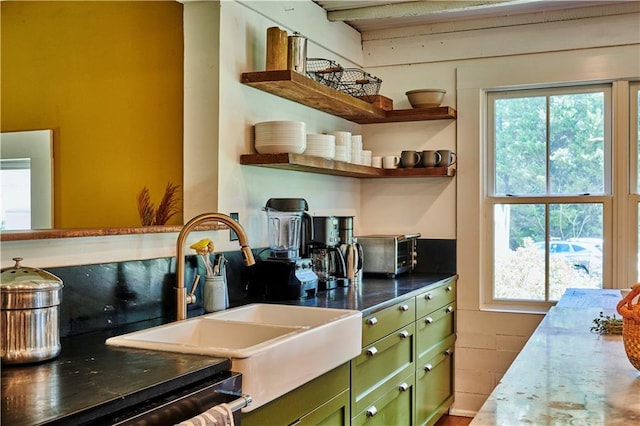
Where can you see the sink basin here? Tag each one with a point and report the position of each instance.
(276, 347)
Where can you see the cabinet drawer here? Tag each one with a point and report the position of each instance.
(383, 322)
(434, 327)
(387, 360)
(431, 300)
(392, 408)
(434, 385)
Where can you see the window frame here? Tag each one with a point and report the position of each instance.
(490, 199)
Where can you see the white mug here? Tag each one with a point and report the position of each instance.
(390, 161)
(376, 161)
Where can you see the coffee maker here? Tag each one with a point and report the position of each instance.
(327, 259)
(287, 273)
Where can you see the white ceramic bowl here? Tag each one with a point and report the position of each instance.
(425, 98)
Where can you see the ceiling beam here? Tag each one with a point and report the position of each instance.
(411, 9)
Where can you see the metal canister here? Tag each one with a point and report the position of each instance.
(29, 317)
(297, 53)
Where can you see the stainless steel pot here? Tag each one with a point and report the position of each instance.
(29, 319)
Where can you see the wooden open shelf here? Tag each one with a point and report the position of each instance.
(306, 163)
(303, 90)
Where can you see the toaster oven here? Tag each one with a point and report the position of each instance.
(389, 254)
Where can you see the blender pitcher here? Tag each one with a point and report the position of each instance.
(285, 217)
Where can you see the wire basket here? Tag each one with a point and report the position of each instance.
(360, 84)
(631, 325)
(325, 71)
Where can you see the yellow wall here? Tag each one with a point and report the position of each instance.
(107, 77)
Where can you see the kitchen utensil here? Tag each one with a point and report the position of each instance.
(297, 53)
(29, 317)
(276, 49)
(425, 98)
(409, 159)
(272, 137)
(390, 161)
(430, 158)
(447, 158)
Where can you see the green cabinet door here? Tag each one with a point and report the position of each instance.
(392, 408)
(434, 383)
(323, 399)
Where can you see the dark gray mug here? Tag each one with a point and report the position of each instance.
(430, 158)
(409, 159)
(447, 158)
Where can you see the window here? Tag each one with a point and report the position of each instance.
(549, 191)
(634, 138)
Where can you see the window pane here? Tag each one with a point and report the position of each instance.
(576, 143)
(570, 254)
(520, 145)
(519, 268)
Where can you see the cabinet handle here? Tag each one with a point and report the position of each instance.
(404, 308)
(448, 352)
(403, 387)
(372, 351)
(428, 320)
(372, 411)
(449, 288)
(403, 334)
(372, 321)
(449, 309)
(428, 296)
(428, 367)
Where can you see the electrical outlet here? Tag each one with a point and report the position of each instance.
(232, 234)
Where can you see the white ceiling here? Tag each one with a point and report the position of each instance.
(374, 15)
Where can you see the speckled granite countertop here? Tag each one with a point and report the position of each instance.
(90, 379)
(566, 375)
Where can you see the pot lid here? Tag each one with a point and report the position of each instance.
(24, 278)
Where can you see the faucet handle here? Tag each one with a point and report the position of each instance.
(191, 297)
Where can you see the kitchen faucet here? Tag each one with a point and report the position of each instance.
(182, 299)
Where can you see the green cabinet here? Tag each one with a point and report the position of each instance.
(403, 376)
(435, 339)
(322, 401)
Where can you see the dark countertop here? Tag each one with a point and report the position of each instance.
(89, 379)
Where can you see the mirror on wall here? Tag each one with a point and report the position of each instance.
(26, 180)
(108, 79)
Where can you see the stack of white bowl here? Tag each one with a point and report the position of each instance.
(343, 146)
(275, 137)
(366, 157)
(356, 149)
(319, 145)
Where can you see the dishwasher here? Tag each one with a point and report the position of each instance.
(183, 404)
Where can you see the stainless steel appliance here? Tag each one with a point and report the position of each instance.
(327, 259)
(287, 273)
(351, 250)
(185, 404)
(389, 254)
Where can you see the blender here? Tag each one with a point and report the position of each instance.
(287, 273)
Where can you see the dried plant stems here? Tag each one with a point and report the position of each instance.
(168, 207)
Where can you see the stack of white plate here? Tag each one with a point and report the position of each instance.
(319, 145)
(275, 137)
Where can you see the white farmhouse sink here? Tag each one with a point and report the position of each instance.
(276, 347)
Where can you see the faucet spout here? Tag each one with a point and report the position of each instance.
(181, 291)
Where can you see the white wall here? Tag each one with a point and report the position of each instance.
(465, 63)
(219, 115)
